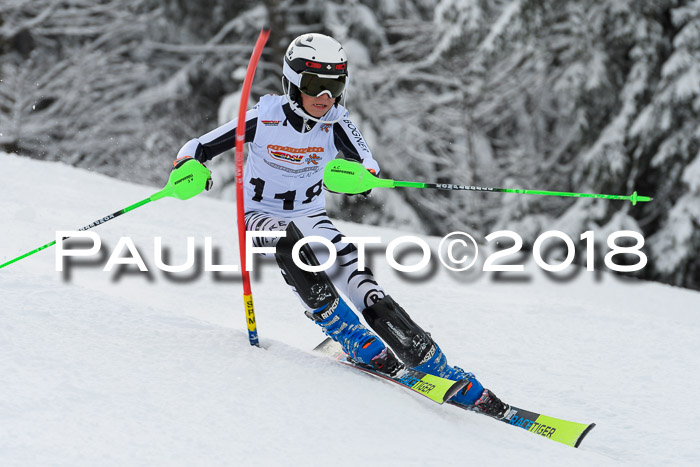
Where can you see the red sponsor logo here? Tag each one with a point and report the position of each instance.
(294, 155)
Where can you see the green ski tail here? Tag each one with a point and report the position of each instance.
(441, 390)
(433, 387)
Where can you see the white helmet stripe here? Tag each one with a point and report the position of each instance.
(291, 75)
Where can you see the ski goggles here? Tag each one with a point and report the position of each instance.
(313, 85)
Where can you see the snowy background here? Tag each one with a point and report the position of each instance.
(130, 368)
(574, 95)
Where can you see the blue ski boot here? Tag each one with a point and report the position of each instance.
(473, 394)
(417, 350)
(436, 364)
(342, 325)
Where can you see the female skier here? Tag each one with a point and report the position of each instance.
(290, 139)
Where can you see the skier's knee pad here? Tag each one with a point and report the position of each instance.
(314, 288)
(409, 341)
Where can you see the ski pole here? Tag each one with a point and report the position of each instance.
(184, 182)
(350, 177)
(240, 140)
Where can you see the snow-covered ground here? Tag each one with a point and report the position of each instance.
(100, 368)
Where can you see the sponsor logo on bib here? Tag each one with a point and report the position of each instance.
(294, 155)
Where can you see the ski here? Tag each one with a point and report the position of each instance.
(562, 431)
(433, 387)
(441, 390)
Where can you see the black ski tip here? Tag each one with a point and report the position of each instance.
(266, 27)
(583, 435)
(455, 388)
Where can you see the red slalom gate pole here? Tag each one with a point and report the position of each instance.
(240, 140)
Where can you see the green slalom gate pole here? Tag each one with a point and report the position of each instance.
(184, 182)
(350, 177)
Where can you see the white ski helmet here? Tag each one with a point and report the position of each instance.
(314, 64)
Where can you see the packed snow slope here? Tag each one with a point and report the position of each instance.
(132, 368)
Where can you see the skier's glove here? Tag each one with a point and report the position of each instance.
(180, 161)
(364, 193)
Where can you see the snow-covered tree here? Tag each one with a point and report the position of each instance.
(589, 96)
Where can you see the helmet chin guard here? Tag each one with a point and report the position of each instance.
(314, 54)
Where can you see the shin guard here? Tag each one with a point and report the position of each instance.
(409, 341)
(314, 288)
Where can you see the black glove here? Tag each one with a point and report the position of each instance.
(179, 162)
(364, 193)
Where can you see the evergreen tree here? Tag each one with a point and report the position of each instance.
(589, 96)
